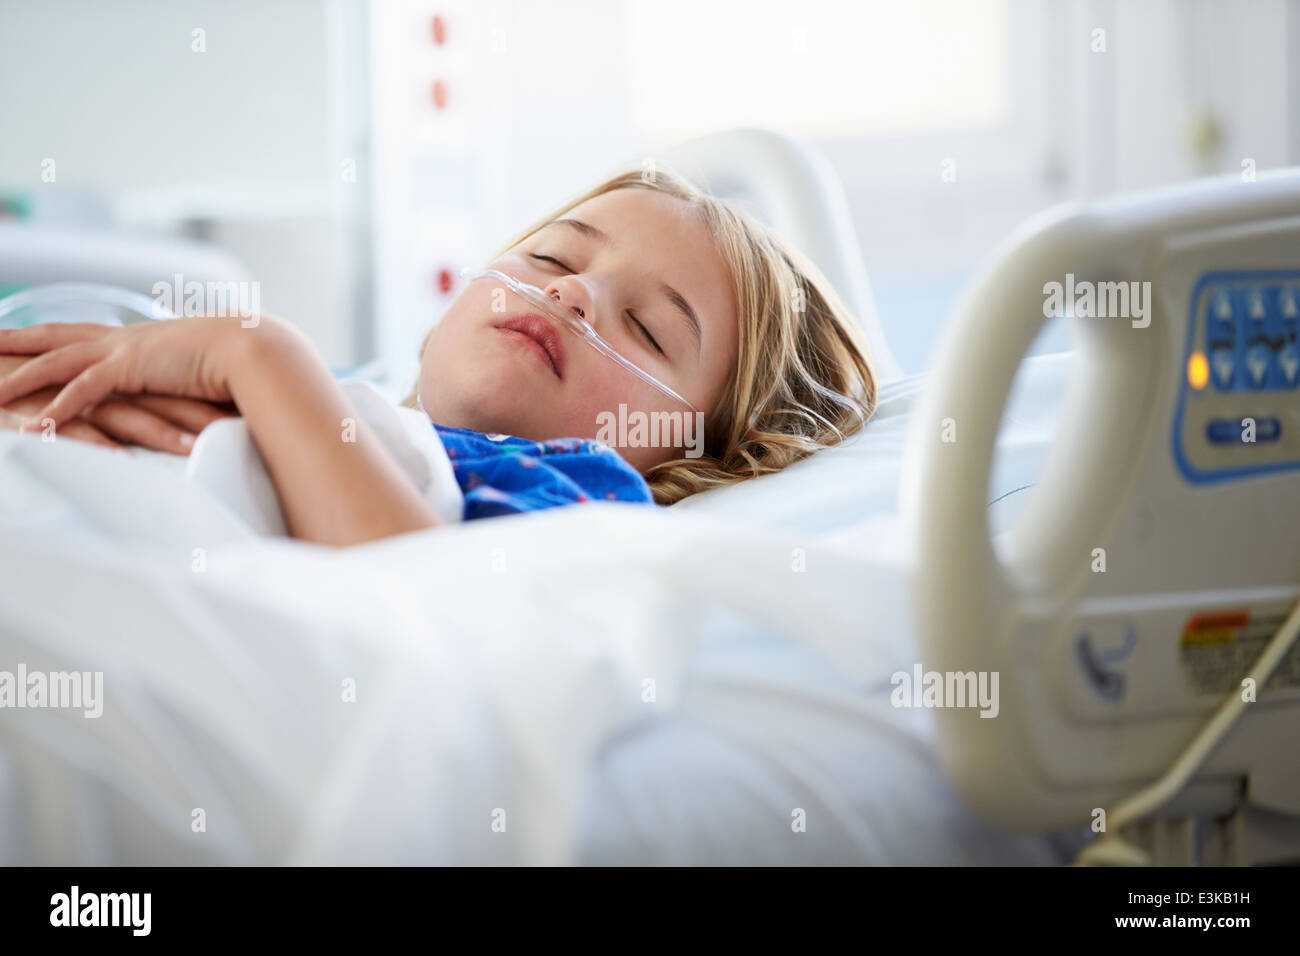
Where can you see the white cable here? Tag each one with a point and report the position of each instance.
(1110, 849)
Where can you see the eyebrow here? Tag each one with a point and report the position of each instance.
(675, 297)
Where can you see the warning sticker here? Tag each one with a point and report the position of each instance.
(1218, 649)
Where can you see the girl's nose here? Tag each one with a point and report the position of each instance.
(572, 292)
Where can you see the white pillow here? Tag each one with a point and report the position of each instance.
(845, 484)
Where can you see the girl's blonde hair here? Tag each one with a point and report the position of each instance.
(803, 378)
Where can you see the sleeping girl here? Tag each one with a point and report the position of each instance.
(694, 296)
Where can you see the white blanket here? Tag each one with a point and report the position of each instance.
(599, 684)
(226, 462)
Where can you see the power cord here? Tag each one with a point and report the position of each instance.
(1111, 849)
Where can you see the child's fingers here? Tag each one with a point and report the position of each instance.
(35, 339)
(125, 421)
(83, 431)
(190, 414)
(85, 391)
(52, 368)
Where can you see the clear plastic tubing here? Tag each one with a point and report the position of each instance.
(568, 319)
(65, 294)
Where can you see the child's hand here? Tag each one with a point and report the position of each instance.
(160, 422)
(13, 420)
(186, 358)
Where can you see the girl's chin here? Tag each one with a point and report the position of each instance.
(502, 394)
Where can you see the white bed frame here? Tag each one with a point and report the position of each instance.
(1142, 519)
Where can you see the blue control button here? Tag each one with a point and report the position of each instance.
(1242, 376)
(1288, 363)
(1288, 302)
(1221, 431)
(1268, 429)
(1220, 329)
(1226, 431)
(1221, 306)
(1256, 305)
(1222, 365)
(1257, 362)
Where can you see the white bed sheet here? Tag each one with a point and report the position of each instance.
(501, 673)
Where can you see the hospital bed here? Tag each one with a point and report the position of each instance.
(32, 255)
(715, 683)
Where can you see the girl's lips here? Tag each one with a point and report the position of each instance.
(542, 333)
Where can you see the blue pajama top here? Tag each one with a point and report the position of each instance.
(505, 475)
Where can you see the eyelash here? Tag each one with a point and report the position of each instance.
(644, 331)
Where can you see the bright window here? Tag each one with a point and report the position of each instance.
(822, 69)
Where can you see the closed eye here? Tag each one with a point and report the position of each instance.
(554, 260)
(646, 332)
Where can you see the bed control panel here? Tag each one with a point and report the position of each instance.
(1238, 412)
(1159, 549)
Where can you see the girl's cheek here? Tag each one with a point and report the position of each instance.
(612, 389)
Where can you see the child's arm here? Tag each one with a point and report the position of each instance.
(332, 491)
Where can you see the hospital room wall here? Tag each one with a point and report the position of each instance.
(480, 124)
(1112, 121)
(235, 133)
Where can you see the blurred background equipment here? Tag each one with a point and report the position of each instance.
(351, 157)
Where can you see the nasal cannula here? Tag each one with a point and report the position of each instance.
(567, 318)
